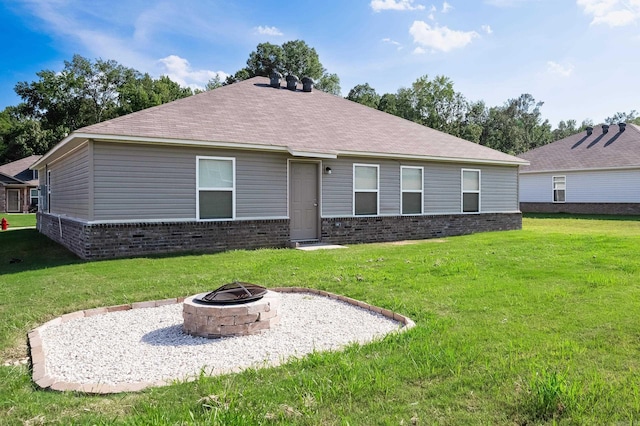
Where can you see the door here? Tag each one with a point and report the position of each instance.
(13, 200)
(303, 201)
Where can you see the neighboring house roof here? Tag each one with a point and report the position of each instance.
(611, 150)
(19, 170)
(251, 114)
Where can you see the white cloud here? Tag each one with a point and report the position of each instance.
(614, 13)
(393, 42)
(558, 69)
(418, 51)
(440, 38)
(179, 70)
(487, 29)
(270, 31)
(507, 3)
(378, 5)
(432, 13)
(446, 7)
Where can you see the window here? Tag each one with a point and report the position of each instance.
(34, 197)
(559, 189)
(470, 191)
(412, 185)
(215, 179)
(365, 189)
(35, 174)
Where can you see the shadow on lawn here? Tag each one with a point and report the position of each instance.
(27, 249)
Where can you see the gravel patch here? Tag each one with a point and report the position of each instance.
(148, 345)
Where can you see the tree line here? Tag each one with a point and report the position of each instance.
(513, 128)
(86, 92)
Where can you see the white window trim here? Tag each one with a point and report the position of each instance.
(31, 197)
(553, 189)
(462, 190)
(421, 191)
(48, 194)
(377, 190)
(233, 187)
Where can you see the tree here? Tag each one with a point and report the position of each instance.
(517, 126)
(623, 117)
(85, 92)
(365, 95)
(564, 129)
(293, 57)
(329, 83)
(388, 103)
(265, 59)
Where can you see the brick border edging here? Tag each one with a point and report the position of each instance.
(44, 381)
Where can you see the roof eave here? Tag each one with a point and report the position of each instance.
(82, 137)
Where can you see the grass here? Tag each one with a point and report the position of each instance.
(19, 220)
(537, 326)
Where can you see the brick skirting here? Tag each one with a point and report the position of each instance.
(582, 208)
(352, 230)
(106, 241)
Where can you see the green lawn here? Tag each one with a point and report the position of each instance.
(521, 327)
(19, 220)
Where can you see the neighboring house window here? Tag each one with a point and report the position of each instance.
(34, 197)
(412, 185)
(216, 179)
(470, 191)
(365, 189)
(35, 174)
(559, 189)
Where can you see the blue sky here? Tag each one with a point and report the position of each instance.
(578, 56)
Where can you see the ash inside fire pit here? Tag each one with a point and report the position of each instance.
(233, 293)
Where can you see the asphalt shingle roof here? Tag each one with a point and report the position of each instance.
(19, 169)
(582, 152)
(252, 112)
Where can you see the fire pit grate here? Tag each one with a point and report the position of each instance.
(234, 293)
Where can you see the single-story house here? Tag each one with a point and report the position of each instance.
(592, 172)
(19, 186)
(261, 163)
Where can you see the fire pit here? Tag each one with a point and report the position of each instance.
(234, 309)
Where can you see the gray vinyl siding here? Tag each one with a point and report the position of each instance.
(337, 188)
(442, 191)
(596, 186)
(442, 187)
(499, 191)
(147, 182)
(70, 184)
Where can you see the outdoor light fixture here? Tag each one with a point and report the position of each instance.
(327, 170)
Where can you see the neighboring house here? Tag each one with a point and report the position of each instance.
(593, 172)
(19, 186)
(254, 164)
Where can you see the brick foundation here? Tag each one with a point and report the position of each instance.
(350, 230)
(582, 208)
(106, 241)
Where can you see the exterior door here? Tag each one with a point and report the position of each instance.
(13, 200)
(303, 201)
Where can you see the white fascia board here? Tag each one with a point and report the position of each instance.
(593, 169)
(312, 154)
(433, 158)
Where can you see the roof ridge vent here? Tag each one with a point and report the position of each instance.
(622, 127)
(275, 77)
(589, 130)
(605, 128)
(307, 84)
(292, 82)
